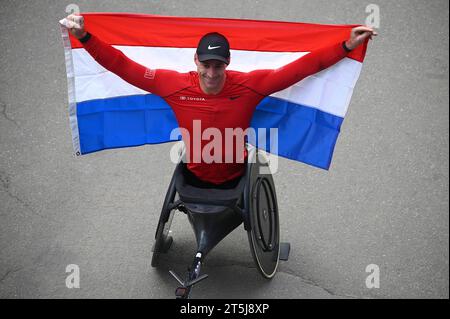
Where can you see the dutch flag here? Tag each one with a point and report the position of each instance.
(107, 112)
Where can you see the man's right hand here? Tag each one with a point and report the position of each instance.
(76, 25)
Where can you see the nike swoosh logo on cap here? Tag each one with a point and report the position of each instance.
(212, 48)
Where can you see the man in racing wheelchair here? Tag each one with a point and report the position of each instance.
(224, 189)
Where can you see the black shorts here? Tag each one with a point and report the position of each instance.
(196, 182)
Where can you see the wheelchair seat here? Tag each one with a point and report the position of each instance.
(207, 197)
(212, 212)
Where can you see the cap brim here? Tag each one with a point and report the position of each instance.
(206, 57)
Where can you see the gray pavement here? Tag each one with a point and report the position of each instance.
(384, 201)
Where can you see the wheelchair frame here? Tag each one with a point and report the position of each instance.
(256, 207)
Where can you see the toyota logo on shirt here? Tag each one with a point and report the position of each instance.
(192, 98)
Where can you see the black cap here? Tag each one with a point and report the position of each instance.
(213, 46)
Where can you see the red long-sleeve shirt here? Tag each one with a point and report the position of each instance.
(232, 108)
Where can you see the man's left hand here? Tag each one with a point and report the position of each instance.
(358, 36)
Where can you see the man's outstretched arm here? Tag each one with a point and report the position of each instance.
(154, 81)
(267, 82)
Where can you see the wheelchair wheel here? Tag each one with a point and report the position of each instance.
(162, 239)
(264, 235)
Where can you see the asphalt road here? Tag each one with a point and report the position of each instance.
(384, 201)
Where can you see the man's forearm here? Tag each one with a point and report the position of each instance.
(132, 72)
(105, 54)
(115, 61)
(301, 68)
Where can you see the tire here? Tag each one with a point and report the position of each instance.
(264, 232)
(162, 240)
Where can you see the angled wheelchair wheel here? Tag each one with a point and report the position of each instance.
(162, 239)
(264, 233)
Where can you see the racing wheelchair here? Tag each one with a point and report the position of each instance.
(214, 213)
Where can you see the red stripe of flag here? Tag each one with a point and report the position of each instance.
(185, 32)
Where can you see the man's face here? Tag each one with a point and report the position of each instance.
(211, 74)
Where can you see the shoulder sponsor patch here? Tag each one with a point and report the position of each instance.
(149, 74)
